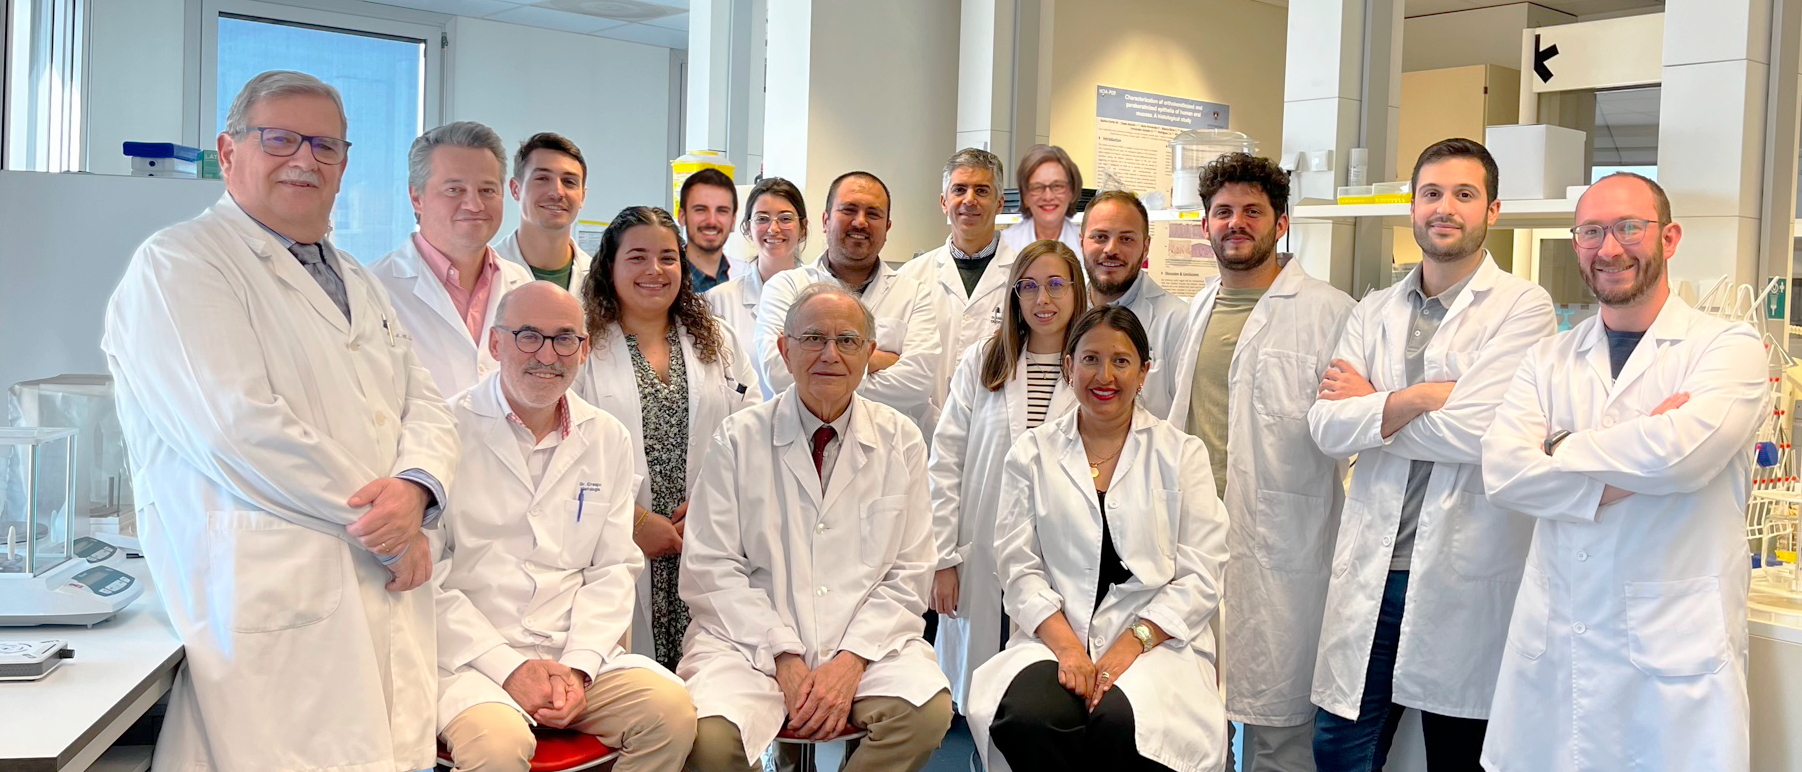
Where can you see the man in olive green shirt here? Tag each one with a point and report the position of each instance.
(1259, 337)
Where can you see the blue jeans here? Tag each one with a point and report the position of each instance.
(1453, 744)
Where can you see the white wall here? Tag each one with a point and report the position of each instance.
(134, 89)
(61, 269)
(1227, 51)
(870, 86)
(611, 97)
(1478, 36)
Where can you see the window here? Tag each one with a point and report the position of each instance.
(382, 81)
(44, 74)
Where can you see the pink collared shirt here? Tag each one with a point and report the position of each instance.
(471, 305)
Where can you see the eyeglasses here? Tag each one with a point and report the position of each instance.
(815, 342)
(764, 218)
(1028, 289)
(531, 341)
(1049, 187)
(1627, 232)
(282, 143)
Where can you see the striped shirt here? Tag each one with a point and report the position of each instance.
(1042, 374)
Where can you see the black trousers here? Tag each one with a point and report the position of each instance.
(1042, 727)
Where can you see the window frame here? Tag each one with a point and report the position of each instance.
(202, 78)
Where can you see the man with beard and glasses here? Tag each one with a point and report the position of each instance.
(1426, 568)
(1625, 440)
(705, 209)
(534, 580)
(1260, 335)
(1116, 237)
(903, 370)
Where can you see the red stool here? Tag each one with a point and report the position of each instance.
(810, 748)
(559, 750)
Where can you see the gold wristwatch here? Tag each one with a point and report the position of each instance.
(1142, 632)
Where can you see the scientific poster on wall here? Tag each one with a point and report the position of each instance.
(1181, 257)
(1133, 131)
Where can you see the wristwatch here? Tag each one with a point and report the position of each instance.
(1142, 632)
(1551, 443)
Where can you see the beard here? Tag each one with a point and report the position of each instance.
(1263, 248)
(1648, 273)
(1468, 243)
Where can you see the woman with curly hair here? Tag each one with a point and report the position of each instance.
(669, 371)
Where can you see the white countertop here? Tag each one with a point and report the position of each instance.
(120, 665)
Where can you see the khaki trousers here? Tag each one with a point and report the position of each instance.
(901, 738)
(649, 718)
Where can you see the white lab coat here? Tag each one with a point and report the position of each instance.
(735, 303)
(1282, 494)
(533, 571)
(964, 319)
(974, 434)
(253, 411)
(1628, 645)
(775, 565)
(1165, 318)
(907, 313)
(508, 249)
(715, 390)
(1023, 233)
(440, 338)
(1468, 552)
(1169, 530)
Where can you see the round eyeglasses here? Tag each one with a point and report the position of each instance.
(1626, 232)
(530, 341)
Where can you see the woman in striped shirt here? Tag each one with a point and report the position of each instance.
(1004, 385)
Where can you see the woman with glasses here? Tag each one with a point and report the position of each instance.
(669, 371)
(1110, 539)
(776, 221)
(1050, 185)
(1009, 383)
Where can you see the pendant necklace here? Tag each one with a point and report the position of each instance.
(1095, 466)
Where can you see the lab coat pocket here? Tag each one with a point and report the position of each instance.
(877, 541)
(278, 575)
(1291, 532)
(581, 529)
(1285, 384)
(1532, 615)
(1676, 629)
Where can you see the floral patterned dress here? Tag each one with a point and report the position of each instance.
(665, 416)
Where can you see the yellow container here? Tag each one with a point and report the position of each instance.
(694, 161)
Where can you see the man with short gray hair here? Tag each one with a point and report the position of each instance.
(445, 280)
(288, 449)
(806, 563)
(969, 272)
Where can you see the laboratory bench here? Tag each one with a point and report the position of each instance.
(68, 720)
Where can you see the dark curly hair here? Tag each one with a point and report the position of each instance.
(1246, 169)
(600, 298)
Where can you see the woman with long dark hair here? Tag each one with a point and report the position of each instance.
(668, 370)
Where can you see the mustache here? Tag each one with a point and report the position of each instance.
(1444, 219)
(300, 175)
(554, 368)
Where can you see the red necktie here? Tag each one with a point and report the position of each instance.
(821, 436)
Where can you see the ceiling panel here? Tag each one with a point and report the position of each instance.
(455, 7)
(552, 19)
(676, 22)
(647, 34)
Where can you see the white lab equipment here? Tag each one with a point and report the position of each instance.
(102, 471)
(1194, 149)
(49, 575)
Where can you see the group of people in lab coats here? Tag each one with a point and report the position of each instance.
(438, 506)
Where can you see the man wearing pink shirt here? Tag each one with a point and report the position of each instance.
(445, 280)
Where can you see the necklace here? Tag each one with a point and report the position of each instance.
(1095, 466)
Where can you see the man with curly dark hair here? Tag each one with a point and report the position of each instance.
(1260, 336)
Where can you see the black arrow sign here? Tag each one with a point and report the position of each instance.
(1540, 57)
